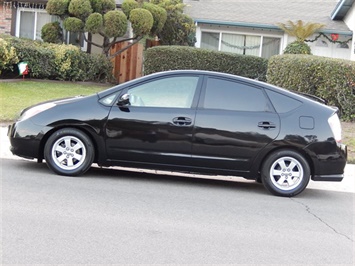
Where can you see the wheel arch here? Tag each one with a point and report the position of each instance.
(264, 156)
(87, 130)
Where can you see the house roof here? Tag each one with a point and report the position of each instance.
(342, 9)
(265, 13)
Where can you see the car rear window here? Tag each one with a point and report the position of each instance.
(283, 103)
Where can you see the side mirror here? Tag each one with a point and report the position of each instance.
(124, 100)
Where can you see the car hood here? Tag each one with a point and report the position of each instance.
(58, 101)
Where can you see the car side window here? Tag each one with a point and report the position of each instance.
(282, 103)
(173, 92)
(229, 95)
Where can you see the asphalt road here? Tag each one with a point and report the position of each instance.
(117, 217)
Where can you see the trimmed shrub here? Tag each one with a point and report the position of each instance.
(57, 7)
(94, 23)
(52, 32)
(115, 23)
(297, 47)
(328, 78)
(80, 8)
(159, 16)
(162, 58)
(61, 62)
(73, 24)
(141, 21)
(103, 6)
(128, 6)
(8, 55)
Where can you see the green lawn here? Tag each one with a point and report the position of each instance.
(16, 95)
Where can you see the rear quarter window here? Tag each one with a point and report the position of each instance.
(283, 103)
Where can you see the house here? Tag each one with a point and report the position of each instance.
(239, 26)
(250, 27)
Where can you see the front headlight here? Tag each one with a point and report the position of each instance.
(35, 110)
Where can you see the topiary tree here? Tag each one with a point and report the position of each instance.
(301, 31)
(101, 17)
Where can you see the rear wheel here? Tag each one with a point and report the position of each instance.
(285, 173)
(69, 151)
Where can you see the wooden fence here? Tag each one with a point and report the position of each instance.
(129, 64)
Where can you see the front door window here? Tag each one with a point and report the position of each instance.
(174, 92)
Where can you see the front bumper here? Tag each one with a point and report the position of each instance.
(25, 139)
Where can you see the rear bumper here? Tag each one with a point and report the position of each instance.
(331, 166)
(335, 178)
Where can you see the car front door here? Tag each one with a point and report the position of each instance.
(234, 121)
(155, 125)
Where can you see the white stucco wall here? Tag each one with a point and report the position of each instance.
(96, 38)
(350, 22)
(334, 50)
(321, 47)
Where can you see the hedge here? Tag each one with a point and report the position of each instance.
(328, 78)
(162, 58)
(61, 62)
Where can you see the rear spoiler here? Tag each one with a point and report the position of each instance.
(320, 100)
(312, 97)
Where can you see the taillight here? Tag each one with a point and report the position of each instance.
(334, 123)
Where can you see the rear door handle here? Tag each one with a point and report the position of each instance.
(266, 125)
(182, 121)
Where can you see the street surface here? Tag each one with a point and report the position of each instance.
(111, 216)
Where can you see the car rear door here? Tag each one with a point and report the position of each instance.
(156, 127)
(234, 121)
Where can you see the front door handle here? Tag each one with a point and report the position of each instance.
(182, 121)
(266, 125)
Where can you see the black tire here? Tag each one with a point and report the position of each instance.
(285, 173)
(69, 152)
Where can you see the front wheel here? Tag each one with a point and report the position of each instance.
(285, 173)
(69, 151)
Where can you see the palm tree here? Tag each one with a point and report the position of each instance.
(300, 30)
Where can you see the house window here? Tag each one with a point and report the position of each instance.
(270, 46)
(210, 40)
(30, 22)
(262, 46)
(322, 43)
(343, 46)
(241, 44)
(77, 39)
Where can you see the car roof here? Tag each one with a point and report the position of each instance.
(253, 82)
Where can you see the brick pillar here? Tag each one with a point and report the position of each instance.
(5, 17)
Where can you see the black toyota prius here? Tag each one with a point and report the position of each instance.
(190, 121)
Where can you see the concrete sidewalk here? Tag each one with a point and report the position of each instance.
(347, 185)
